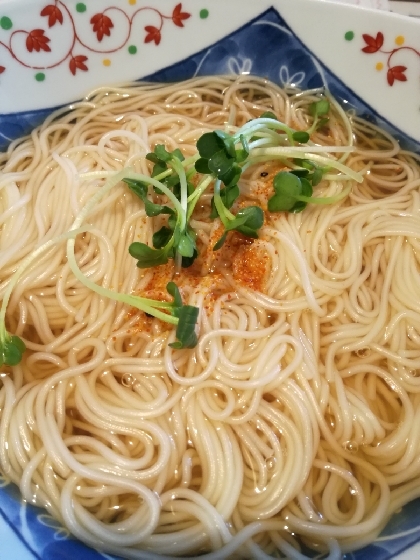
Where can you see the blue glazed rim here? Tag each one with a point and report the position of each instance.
(203, 63)
(43, 538)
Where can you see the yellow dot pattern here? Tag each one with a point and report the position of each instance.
(379, 66)
(132, 2)
(106, 62)
(399, 40)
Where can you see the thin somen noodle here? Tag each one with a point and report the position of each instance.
(293, 423)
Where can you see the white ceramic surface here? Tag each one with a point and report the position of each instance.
(52, 52)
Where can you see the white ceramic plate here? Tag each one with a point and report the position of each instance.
(53, 53)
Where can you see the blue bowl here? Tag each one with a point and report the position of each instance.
(263, 38)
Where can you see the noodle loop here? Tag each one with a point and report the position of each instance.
(293, 423)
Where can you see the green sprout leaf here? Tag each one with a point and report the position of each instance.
(228, 196)
(247, 221)
(287, 187)
(140, 189)
(321, 123)
(187, 315)
(219, 244)
(317, 176)
(137, 187)
(159, 167)
(304, 163)
(209, 144)
(319, 108)
(11, 350)
(220, 157)
(293, 192)
(186, 245)
(186, 262)
(220, 163)
(228, 142)
(307, 192)
(268, 115)
(202, 166)
(146, 256)
(309, 166)
(232, 176)
(300, 172)
(241, 155)
(156, 209)
(173, 290)
(185, 332)
(151, 156)
(300, 136)
(161, 155)
(162, 237)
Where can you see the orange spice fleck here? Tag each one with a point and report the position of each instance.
(250, 266)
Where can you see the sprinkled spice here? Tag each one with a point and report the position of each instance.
(250, 266)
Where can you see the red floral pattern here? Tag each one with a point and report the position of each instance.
(37, 41)
(102, 25)
(78, 63)
(53, 13)
(153, 34)
(375, 44)
(396, 73)
(178, 16)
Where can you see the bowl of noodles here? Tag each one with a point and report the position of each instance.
(209, 281)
